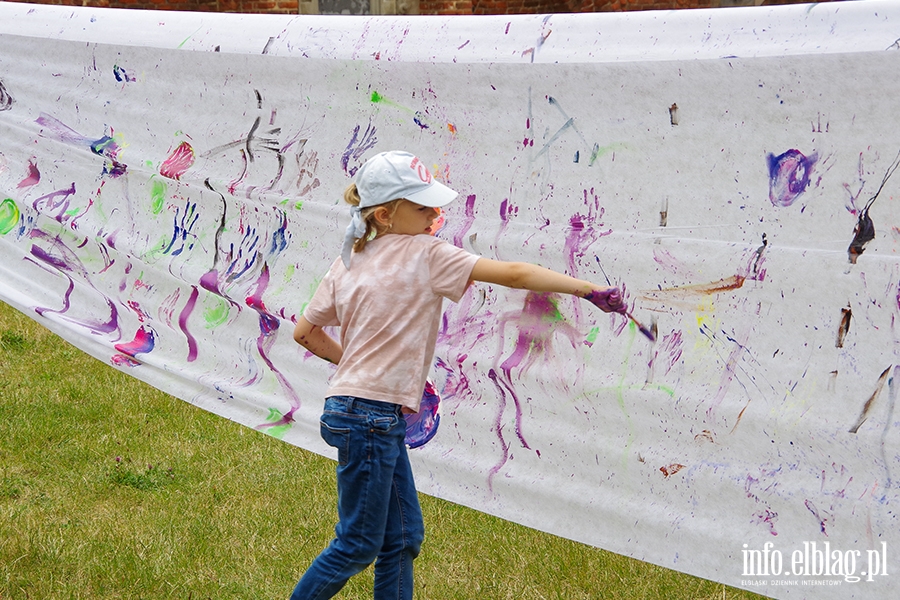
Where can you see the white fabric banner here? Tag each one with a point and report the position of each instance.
(170, 195)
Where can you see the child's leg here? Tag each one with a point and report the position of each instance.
(369, 436)
(403, 536)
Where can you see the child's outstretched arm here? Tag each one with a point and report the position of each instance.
(318, 342)
(526, 276)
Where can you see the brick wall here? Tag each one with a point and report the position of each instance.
(426, 7)
(238, 6)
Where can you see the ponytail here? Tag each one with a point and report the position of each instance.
(373, 227)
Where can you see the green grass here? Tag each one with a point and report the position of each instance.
(112, 489)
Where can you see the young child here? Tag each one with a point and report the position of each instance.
(385, 292)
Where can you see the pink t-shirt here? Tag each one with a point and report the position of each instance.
(388, 306)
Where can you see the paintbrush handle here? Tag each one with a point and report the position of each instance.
(641, 328)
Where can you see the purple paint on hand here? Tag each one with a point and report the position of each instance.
(608, 300)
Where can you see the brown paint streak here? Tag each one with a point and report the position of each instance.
(740, 416)
(844, 327)
(705, 436)
(726, 284)
(868, 405)
(671, 469)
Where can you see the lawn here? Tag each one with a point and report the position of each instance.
(110, 488)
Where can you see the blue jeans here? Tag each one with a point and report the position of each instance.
(379, 518)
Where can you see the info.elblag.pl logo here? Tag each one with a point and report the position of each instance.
(816, 563)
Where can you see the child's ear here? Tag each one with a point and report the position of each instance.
(382, 215)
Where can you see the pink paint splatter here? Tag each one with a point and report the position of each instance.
(34, 176)
(178, 162)
(121, 360)
(144, 341)
(768, 518)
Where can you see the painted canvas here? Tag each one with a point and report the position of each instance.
(170, 199)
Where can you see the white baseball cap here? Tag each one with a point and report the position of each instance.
(391, 176)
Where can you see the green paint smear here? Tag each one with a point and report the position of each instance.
(276, 431)
(592, 335)
(158, 195)
(597, 152)
(156, 251)
(377, 98)
(217, 313)
(188, 39)
(9, 216)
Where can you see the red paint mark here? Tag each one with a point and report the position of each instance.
(34, 176)
(178, 162)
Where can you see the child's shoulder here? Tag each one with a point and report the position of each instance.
(410, 248)
(417, 242)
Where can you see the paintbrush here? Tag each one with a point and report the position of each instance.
(649, 334)
(640, 327)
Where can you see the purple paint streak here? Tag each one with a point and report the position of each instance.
(584, 230)
(754, 270)
(539, 321)
(182, 323)
(61, 258)
(53, 201)
(729, 373)
(507, 212)
(104, 146)
(268, 333)
(467, 221)
(789, 176)
(768, 518)
(498, 429)
(815, 511)
(423, 425)
(357, 147)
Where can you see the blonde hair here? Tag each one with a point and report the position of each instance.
(373, 227)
